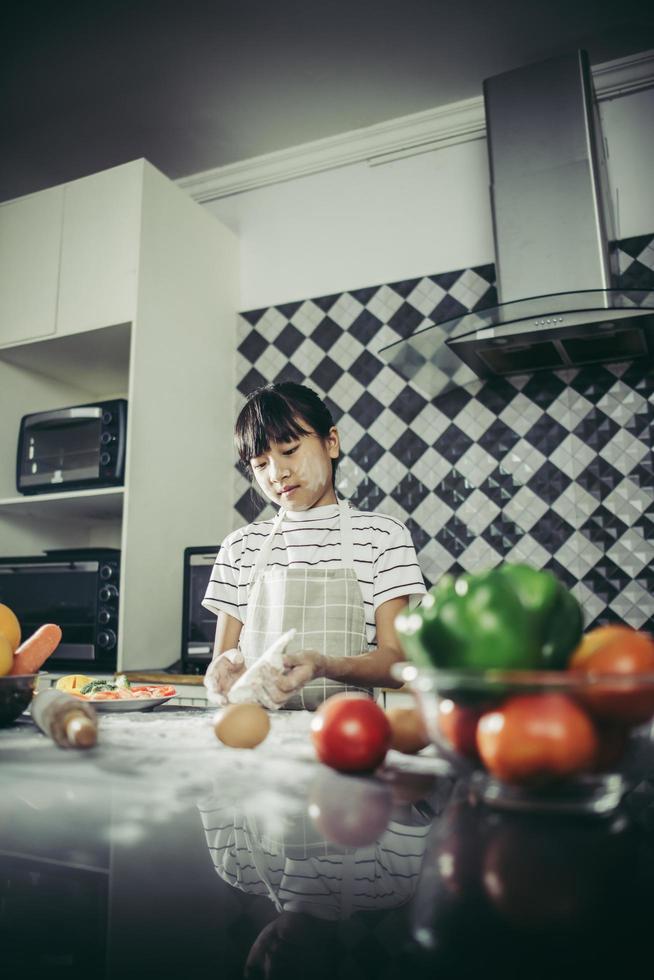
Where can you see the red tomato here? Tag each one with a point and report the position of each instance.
(596, 638)
(458, 724)
(628, 652)
(156, 690)
(164, 691)
(537, 738)
(351, 734)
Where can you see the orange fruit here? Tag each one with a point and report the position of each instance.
(596, 638)
(72, 683)
(6, 655)
(629, 701)
(10, 626)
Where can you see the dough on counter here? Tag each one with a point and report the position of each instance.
(249, 688)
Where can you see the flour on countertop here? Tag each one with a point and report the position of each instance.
(186, 745)
(149, 766)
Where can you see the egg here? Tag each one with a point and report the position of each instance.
(242, 726)
(409, 735)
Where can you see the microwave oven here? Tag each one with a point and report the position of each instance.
(198, 624)
(79, 590)
(73, 448)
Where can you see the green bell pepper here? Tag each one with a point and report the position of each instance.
(510, 617)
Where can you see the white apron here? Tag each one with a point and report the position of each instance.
(324, 605)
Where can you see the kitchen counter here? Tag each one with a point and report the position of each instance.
(162, 853)
(191, 691)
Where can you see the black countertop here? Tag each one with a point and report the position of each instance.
(162, 853)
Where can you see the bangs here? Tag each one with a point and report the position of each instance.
(264, 419)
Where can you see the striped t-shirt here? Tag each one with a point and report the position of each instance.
(384, 558)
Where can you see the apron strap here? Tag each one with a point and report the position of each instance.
(347, 540)
(263, 557)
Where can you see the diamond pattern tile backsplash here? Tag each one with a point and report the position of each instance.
(554, 468)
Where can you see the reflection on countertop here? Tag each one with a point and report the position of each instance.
(163, 853)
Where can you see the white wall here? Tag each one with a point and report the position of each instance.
(362, 225)
(628, 124)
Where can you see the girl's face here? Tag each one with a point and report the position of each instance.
(297, 475)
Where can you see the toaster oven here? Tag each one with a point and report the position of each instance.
(198, 624)
(73, 448)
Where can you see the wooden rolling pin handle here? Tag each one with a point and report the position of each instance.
(69, 722)
(81, 732)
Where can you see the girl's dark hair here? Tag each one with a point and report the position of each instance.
(276, 413)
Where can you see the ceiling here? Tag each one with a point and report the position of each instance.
(195, 84)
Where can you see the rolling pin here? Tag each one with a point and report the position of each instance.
(69, 722)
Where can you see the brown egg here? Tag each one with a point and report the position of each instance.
(242, 726)
(409, 734)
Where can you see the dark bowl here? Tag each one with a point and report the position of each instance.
(16, 692)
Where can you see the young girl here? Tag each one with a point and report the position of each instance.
(338, 576)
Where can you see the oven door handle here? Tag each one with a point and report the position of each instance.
(63, 415)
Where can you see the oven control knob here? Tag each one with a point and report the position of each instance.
(107, 639)
(106, 417)
(106, 571)
(107, 593)
(106, 438)
(105, 459)
(104, 616)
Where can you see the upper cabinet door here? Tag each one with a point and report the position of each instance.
(100, 250)
(30, 238)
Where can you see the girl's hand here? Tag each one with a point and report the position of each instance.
(299, 669)
(221, 673)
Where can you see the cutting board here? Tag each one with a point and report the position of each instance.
(161, 677)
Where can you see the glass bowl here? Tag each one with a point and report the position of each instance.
(620, 708)
(16, 693)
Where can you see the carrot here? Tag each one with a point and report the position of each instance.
(36, 649)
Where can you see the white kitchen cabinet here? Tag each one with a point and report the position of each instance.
(100, 250)
(69, 256)
(168, 346)
(30, 246)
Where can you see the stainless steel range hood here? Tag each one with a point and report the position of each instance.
(560, 304)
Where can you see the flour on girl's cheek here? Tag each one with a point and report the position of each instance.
(314, 473)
